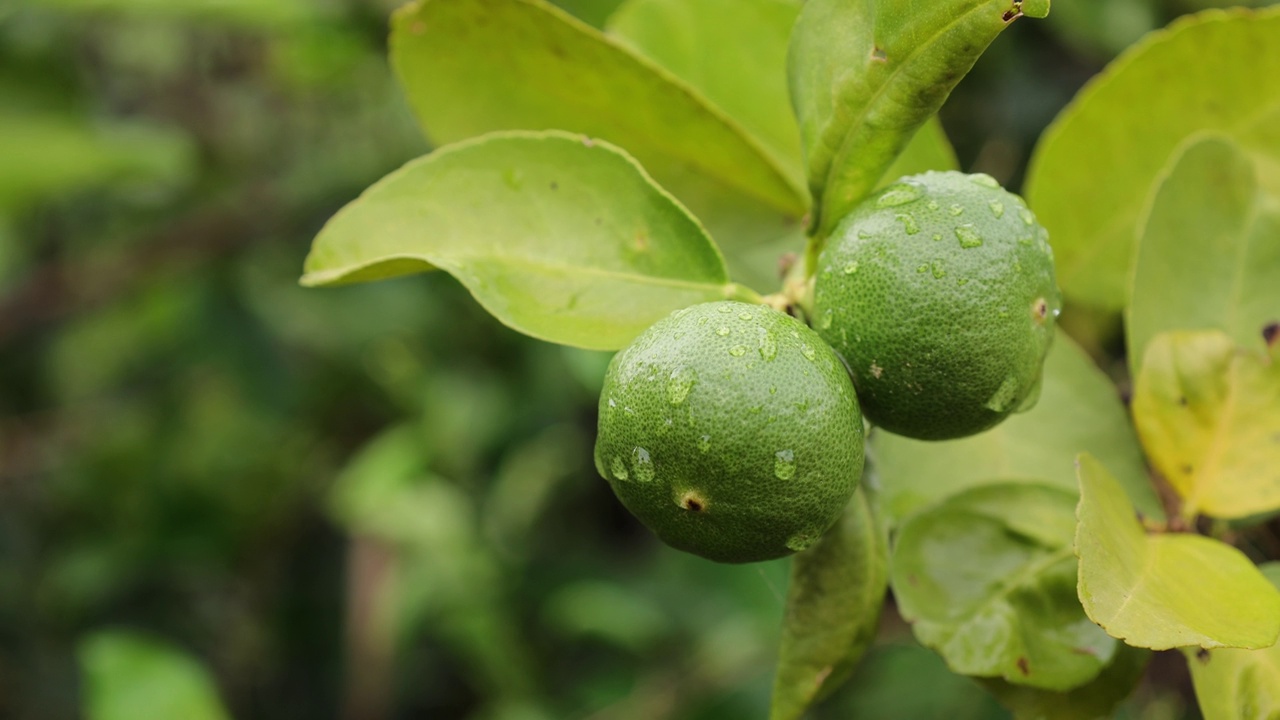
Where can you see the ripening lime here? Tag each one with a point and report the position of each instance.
(732, 431)
(939, 291)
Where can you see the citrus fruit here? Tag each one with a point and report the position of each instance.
(939, 292)
(732, 431)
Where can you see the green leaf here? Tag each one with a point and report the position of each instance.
(556, 235)
(833, 608)
(987, 579)
(129, 676)
(1209, 415)
(1078, 410)
(1092, 173)
(866, 74)
(746, 77)
(470, 67)
(1208, 228)
(1166, 590)
(1233, 684)
(1093, 701)
(733, 52)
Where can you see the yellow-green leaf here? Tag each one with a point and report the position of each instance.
(1167, 590)
(1211, 228)
(1208, 414)
(833, 608)
(559, 236)
(1092, 173)
(1234, 684)
(471, 67)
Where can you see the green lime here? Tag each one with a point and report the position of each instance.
(939, 292)
(732, 431)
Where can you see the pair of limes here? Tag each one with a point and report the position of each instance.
(735, 431)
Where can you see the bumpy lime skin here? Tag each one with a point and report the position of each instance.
(732, 431)
(939, 291)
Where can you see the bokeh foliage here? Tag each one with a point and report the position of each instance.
(372, 501)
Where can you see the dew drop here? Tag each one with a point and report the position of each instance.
(1003, 398)
(643, 466)
(968, 237)
(851, 268)
(619, 469)
(768, 347)
(1028, 217)
(799, 543)
(773, 389)
(908, 223)
(704, 443)
(997, 208)
(744, 316)
(933, 205)
(724, 309)
(1031, 399)
(984, 180)
(897, 195)
(679, 385)
(937, 236)
(827, 318)
(807, 351)
(962, 282)
(784, 464)
(922, 268)
(939, 271)
(738, 350)
(722, 331)
(957, 210)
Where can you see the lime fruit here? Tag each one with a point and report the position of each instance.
(732, 431)
(939, 291)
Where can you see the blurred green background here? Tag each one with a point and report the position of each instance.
(224, 496)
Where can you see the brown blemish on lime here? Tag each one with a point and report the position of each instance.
(693, 502)
(1040, 310)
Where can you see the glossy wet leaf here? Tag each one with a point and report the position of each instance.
(987, 578)
(129, 676)
(1095, 700)
(1094, 169)
(833, 608)
(866, 74)
(1233, 684)
(558, 236)
(1209, 252)
(1208, 414)
(1165, 590)
(1078, 410)
(471, 67)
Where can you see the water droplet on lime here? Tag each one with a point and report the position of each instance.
(984, 180)
(619, 469)
(908, 223)
(997, 208)
(738, 350)
(642, 465)
(957, 210)
(679, 385)
(784, 464)
(968, 237)
(898, 195)
(722, 331)
(851, 268)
